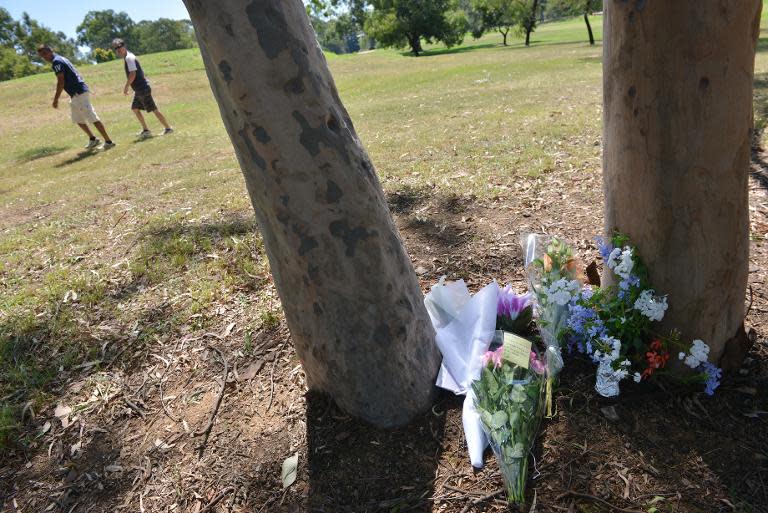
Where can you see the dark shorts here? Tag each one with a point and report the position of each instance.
(143, 100)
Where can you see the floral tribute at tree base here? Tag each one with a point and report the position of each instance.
(504, 351)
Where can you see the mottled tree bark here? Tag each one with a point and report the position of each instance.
(677, 85)
(350, 296)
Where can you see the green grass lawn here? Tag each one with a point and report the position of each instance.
(154, 238)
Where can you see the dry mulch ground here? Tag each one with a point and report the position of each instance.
(136, 437)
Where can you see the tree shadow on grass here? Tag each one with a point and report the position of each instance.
(357, 468)
(41, 346)
(449, 51)
(39, 153)
(167, 249)
(434, 218)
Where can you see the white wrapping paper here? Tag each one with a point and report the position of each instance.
(465, 327)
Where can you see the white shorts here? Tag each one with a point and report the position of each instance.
(82, 110)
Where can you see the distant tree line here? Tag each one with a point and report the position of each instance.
(344, 26)
(19, 39)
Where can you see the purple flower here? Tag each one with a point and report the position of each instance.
(714, 373)
(510, 304)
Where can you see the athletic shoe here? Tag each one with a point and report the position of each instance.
(108, 145)
(144, 134)
(92, 143)
(168, 131)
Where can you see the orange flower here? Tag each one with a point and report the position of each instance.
(657, 358)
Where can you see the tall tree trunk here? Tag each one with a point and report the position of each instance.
(530, 24)
(351, 299)
(589, 29)
(677, 85)
(504, 35)
(415, 44)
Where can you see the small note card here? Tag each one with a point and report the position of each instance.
(517, 350)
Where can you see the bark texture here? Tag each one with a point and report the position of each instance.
(351, 299)
(677, 85)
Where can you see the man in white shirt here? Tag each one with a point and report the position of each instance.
(142, 92)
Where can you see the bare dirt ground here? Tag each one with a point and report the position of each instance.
(138, 434)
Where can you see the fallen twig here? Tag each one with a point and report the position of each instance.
(272, 376)
(484, 498)
(571, 493)
(215, 500)
(207, 431)
(133, 406)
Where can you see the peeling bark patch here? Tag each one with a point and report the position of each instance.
(307, 242)
(316, 308)
(226, 71)
(632, 91)
(294, 85)
(313, 272)
(311, 138)
(333, 123)
(261, 134)
(640, 5)
(228, 28)
(271, 27)
(284, 199)
(332, 192)
(350, 236)
(704, 84)
(252, 150)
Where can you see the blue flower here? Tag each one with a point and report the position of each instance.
(714, 373)
(630, 281)
(605, 248)
(579, 315)
(597, 329)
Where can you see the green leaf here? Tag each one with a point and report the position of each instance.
(498, 420)
(518, 394)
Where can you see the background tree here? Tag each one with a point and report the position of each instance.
(99, 28)
(29, 33)
(7, 29)
(578, 8)
(18, 45)
(402, 23)
(500, 15)
(163, 35)
(529, 18)
(677, 85)
(15, 65)
(351, 298)
(103, 54)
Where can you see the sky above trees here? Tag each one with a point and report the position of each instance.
(65, 17)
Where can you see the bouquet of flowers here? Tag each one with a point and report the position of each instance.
(509, 396)
(613, 326)
(554, 279)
